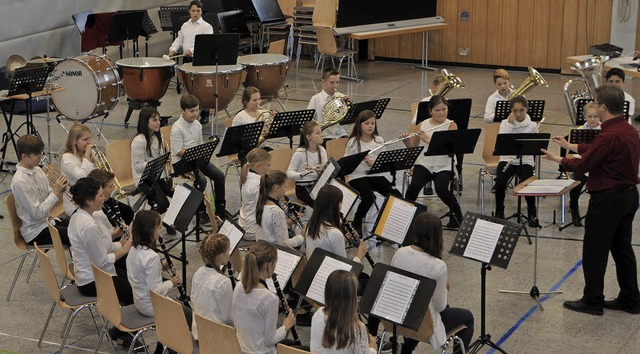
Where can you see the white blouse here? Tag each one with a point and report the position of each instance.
(526, 126)
(144, 271)
(74, 168)
(211, 296)
(250, 190)
(140, 156)
(301, 159)
(242, 118)
(352, 148)
(360, 345)
(433, 163)
(329, 239)
(273, 228)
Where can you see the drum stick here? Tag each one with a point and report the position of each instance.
(166, 57)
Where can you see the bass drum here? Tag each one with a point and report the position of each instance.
(266, 72)
(201, 81)
(91, 87)
(145, 79)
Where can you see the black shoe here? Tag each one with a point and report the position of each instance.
(575, 216)
(499, 214)
(453, 223)
(428, 188)
(581, 306)
(618, 305)
(533, 220)
(304, 319)
(170, 230)
(457, 185)
(204, 220)
(115, 333)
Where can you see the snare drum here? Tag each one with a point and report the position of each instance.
(266, 72)
(200, 81)
(145, 79)
(91, 83)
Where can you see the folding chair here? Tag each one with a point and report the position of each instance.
(172, 329)
(216, 338)
(491, 162)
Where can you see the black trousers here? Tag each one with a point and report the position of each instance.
(366, 186)
(608, 227)
(209, 170)
(44, 237)
(441, 181)
(523, 172)
(302, 193)
(574, 194)
(452, 318)
(121, 283)
(159, 195)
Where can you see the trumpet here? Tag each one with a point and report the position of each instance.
(169, 166)
(414, 134)
(513, 157)
(53, 175)
(335, 110)
(101, 162)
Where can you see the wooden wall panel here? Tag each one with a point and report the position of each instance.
(509, 33)
(554, 38)
(479, 31)
(464, 29)
(540, 35)
(638, 30)
(524, 39)
(493, 55)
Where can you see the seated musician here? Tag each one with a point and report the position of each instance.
(435, 85)
(503, 85)
(250, 107)
(33, 195)
(258, 164)
(307, 161)
(147, 145)
(436, 168)
(330, 82)
(615, 76)
(517, 122)
(186, 132)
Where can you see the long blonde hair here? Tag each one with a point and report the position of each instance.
(211, 247)
(75, 133)
(260, 255)
(254, 157)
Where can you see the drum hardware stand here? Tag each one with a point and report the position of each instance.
(98, 129)
(136, 105)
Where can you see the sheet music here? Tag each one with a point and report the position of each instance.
(322, 179)
(396, 220)
(349, 197)
(394, 297)
(180, 196)
(544, 186)
(286, 264)
(316, 290)
(483, 240)
(232, 232)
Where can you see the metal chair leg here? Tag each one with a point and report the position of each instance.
(15, 278)
(46, 324)
(66, 322)
(33, 265)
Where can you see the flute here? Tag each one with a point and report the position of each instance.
(414, 134)
(285, 307)
(183, 295)
(231, 275)
(347, 225)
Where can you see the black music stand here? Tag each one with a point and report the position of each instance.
(459, 111)
(147, 28)
(503, 248)
(288, 124)
(581, 102)
(150, 176)
(501, 111)
(518, 145)
(452, 143)
(387, 210)
(240, 139)
(347, 203)
(164, 13)
(401, 304)
(126, 26)
(348, 164)
(535, 110)
(395, 160)
(330, 170)
(377, 106)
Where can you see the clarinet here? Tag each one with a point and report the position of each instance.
(285, 307)
(347, 225)
(231, 275)
(118, 220)
(292, 210)
(183, 295)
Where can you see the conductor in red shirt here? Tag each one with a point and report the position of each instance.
(611, 160)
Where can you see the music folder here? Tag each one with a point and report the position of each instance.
(329, 172)
(395, 218)
(288, 262)
(183, 206)
(233, 231)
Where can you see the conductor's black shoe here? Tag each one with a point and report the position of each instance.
(533, 220)
(499, 214)
(428, 188)
(582, 306)
(618, 305)
(575, 216)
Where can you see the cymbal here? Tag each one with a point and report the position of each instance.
(44, 60)
(14, 62)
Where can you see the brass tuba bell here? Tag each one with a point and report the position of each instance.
(591, 71)
(451, 81)
(534, 79)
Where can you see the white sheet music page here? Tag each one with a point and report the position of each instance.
(394, 297)
(232, 232)
(180, 196)
(544, 186)
(286, 264)
(316, 290)
(483, 240)
(398, 220)
(348, 196)
(322, 179)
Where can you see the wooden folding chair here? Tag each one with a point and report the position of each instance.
(66, 268)
(280, 159)
(172, 329)
(491, 162)
(285, 349)
(336, 147)
(119, 155)
(216, 338)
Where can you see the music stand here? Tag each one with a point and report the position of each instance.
(394, 160)
(240, 139)
(147, 28)
(289, 260)
(501, 111)
(398, 296)
(329, 171)
(501, 244)
(518, 145)
(288, 124)
(27, 81)
(535, 110)
(377, 106)
(349, 196)
(459, 111)
(348, 164)
(452, 143)
(401, 212)
(165, 12)
(126, 26)
(149, 179)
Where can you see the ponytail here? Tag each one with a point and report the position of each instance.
(259, 255)
(267, 182)
(254, 157)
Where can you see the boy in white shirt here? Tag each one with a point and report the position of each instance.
(615, 76)
(330, 82)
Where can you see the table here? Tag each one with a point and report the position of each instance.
(618, 62)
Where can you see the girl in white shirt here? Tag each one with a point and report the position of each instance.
(77, 159)
(307, 161)
(424, 257)
(255, 308)
(250, 107)
(365, 137)
(503, 85)
(269, 214)
(211, 291)
(258, 164)
(336, 328)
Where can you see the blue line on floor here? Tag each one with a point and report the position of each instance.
(517, 325)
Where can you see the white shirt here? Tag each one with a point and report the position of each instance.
(211, 296)
(352, 148)
(242, 118)
(414, 119)
(329, 239)
(317, 102)
(301, 159)
(34, 200)
(74, 168)
(255, 317)
(360, 345)
(183, 136)
(490, 108)
(144, 272)
(250, 190)
(140, 156)
(186, 38)
(273, 228)
(526, 126)
(632, 106)
(90, 243)
(434, 164)
(424, 264)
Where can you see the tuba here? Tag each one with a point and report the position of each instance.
(451, 81)
(101, 162)
(534, 79)
(335, 110)
(574, 90)
(266, 116)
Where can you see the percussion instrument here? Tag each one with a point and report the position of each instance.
(40, 62)
(201, 82)
(266, 72)
(91, 83)
(145, 79)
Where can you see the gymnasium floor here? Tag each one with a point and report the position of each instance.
(514, 321)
